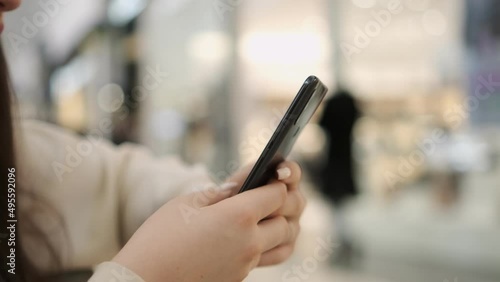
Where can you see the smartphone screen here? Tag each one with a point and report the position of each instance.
(299, 113)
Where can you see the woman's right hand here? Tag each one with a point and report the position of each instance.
(207, 236)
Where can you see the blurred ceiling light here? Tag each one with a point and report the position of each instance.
(121, 12)
(209, 47)
(110, 97)
(284, 48)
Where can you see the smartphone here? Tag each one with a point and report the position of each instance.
(299, 113)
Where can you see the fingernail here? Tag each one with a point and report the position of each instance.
(284, 173)
(228, 186)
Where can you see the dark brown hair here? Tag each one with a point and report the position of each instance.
(25, 271)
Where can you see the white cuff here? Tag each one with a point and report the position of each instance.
(114, 272)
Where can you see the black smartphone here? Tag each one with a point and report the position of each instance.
(296, 118)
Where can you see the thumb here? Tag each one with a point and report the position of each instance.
(212, 195)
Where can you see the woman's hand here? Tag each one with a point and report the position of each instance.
(290, 174)
(207, 236)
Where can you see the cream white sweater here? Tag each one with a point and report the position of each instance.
(102, 193)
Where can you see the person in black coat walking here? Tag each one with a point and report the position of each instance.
(338, 119)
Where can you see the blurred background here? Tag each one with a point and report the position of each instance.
(209, 80)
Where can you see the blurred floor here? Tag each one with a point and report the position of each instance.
(317, 226)
(391, 262)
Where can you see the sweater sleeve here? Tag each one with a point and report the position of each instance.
(102, 192)
(114, 272)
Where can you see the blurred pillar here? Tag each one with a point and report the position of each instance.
(225, 105)
(335, 34)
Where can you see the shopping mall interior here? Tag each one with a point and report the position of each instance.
(207, 81)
